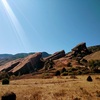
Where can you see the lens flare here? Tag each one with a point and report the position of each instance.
(18, 30)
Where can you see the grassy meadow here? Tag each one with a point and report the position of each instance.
(56, 88)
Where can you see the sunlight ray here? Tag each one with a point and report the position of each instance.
(32, 27)
(16, 25)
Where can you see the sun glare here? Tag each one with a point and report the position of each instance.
(17, 28)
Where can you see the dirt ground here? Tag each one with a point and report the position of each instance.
(56, 88)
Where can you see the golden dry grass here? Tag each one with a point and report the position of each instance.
(57, 88)
(93, 56)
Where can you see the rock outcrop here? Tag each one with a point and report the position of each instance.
(28, 64)
(10, 65)
(79, 51)
(24, 66)
(55, 56)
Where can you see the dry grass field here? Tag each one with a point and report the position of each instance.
(56, 88)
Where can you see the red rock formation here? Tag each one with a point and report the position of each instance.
(28, 64)
(56, 55)
(78, 51)
(25, 65)
(8, 66)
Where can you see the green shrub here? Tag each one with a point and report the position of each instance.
(45, 74)
(94, 63)
(63, 70)
(4, 75)
(57, 73)
(72, 69)
(89, 78)
(79, 72)
(73, 76)
(98, 93)
(64, 74)
(5, 81)
(69, 65)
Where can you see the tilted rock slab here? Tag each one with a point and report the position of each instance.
(28, 64)
(56, 55)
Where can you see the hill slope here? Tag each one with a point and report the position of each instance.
(94, 48)
(93, 56)
(5, 58)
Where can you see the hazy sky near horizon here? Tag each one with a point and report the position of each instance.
(48, 25)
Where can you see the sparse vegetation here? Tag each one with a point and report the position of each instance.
(63, 70)
(9, 96)
(5, 81)
(4, 75)
(97, 78)
(60, 93)
(57, 88)
(94, 48)
(98, 93)
(89, 78)
(48, 64)
(69, 65)
(57, 73)
(73, 76)
(77, 98)
(64, 73)
(94, 65)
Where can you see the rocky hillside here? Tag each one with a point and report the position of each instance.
(75, 62)
(93, 56)
(94, 48)
(4, 58)
(23, 66)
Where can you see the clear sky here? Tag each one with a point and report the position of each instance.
(48, 25)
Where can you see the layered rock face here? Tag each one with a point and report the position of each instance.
(25, 65)
(79, 51)
(55, 56)
(10, 65)
(28, 64)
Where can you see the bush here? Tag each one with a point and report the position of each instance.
(69, 65)
(9, 96)
(89, 79)
(4, 75)
(73, 76)
(94, 63)
(57, 73)
(71, 73)
(5, 81)
(72, 69)
(64, 74)
(63, 70)
(79, 72)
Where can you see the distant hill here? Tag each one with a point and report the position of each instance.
(45, 54)
(2, 56)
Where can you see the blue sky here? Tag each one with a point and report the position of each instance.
(48, 25)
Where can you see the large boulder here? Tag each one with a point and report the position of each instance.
(55, 56)
(79, 51)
